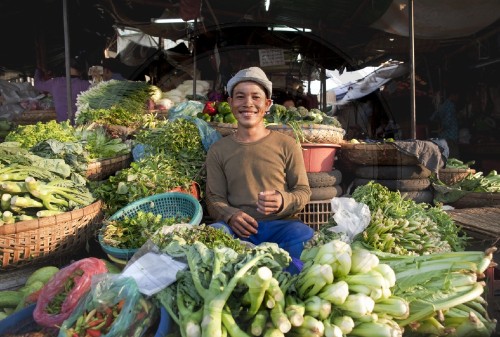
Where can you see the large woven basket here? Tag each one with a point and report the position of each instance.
(225, 129)
(34, 116)
(104, 168)
(313, 133)
(48, 239)
(451, 176)
(375, 154)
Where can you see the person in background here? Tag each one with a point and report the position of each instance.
(256, 178)
(56, 86)
(111, 70)
(446, 115)
(288, 102)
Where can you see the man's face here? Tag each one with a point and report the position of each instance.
(249, 103)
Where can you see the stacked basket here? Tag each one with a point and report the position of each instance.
(386, 165)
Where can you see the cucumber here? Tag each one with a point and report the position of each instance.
(43, 274)
(31, 288)
(10, 298)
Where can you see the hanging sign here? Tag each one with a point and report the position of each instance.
(271, 57)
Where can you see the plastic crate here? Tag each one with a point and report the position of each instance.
(171, 204)
(316, 213)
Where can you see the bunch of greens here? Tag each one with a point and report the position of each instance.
(133, 231)
(30, 135)
(114, 102)
(173, 241)
(179, 139)
(458, 164)
(403, 226)
(444, 291)
(151, 175)
(224, 291)
(174, 159)
(476, 182)
(480, 183)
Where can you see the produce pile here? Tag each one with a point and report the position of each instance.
(33, 187)
(219, 112)
(173, 157)
(77, 146)
(343, 290)
(405, 227)
(279, 114)
(472, 183)
(117, 103)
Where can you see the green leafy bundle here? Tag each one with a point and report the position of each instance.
(405, 227)
(151, 175)
(133, 231)
(114, 102)
(30, 135)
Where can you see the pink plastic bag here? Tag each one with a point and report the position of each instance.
(81, 273)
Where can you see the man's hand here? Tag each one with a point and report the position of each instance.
(269, 202)
(243, 225)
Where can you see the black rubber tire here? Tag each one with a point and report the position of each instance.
(324, 179)
(426, 196)
(324, 193)
(397, 184)
(393, 172)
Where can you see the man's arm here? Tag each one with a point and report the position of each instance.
(299, 193)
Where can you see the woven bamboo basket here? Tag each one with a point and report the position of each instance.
(313, 133)
(102, 169)
(225, 129)
(375, 154)
(451, 176)
(477, 199)
(49, 239)
(34, 116)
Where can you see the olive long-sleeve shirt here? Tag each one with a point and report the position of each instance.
(237, 172)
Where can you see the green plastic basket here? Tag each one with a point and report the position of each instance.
(171, 204)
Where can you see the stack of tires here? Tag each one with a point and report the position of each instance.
(325, 185)
(385, 164)
(412, 181)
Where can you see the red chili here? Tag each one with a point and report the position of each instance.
(93, 333)
(95, 322)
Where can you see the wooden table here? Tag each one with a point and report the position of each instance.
(480, 222)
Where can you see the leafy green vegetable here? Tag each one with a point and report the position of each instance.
(405, 227)
(134, 231)
(151, 175)
(29, 135)
(114, 102)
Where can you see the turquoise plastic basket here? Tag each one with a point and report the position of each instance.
(171, 204)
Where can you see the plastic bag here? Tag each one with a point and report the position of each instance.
(120, 309)
(79, 272)
(351, 217)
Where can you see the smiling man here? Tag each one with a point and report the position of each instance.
(256, 178)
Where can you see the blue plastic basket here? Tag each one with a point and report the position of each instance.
(171, 204)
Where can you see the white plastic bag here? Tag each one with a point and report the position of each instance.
(351, 217)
